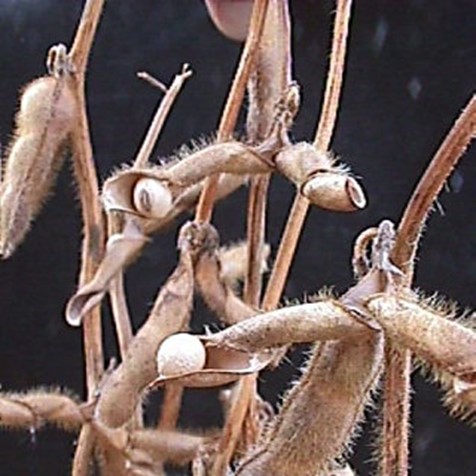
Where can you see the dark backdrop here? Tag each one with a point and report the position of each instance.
(411, 69)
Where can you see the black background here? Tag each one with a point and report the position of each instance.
(411, 68)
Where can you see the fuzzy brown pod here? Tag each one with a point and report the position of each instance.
(327, 319)
(319, 414)
(148, 447)
(441, 342)
(270, 95)
(152, 192)
(43, 123)
(234, 265)
(39, 407)
(335, 386)
(222, 366)
(213, 287)
(186, 200)
(123, 389)
(323, 183)
(121, 249)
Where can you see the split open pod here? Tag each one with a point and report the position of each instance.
(192, 361)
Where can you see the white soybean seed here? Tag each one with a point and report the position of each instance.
(180, 353)
(152, 198)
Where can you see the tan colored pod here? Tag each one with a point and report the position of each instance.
(46, 101)
(335, 191)
(122, 191)
(299, 161)
(45, 119)
(151, 192)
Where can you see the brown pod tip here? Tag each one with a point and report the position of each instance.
(334, 191)
(231, 17)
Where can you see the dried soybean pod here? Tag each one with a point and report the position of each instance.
(43, 123)
(216, 292)
(170, 314)
(317, 419)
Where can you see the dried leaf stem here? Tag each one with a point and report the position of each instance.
(160, 116)
(93, 241)
(245, 391)
(298, 213)
(86, 177)
(232, 107)
(430, 185)
(120, 312)
(396, 408)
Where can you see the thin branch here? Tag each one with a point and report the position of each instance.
(93, 241)
(396, 408)
(297, 216)
(152, 81)
(245, 391)
(120, 312)
(430, 185)
(160, 116)
(84, 36)
(169, 413)
(256, 238)
(232, 107)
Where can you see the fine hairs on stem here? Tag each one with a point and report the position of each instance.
(360, 337)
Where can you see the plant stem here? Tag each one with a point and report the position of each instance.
(256, 228)
(232, 107)
(170, 410)
(430, 185)
(120, 312)
(84, 37)
(160, 116)
(93, 241)
(297, 216)
(245, 390)
(396, 406)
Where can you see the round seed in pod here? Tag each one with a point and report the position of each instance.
(180, 353)
(151, 198)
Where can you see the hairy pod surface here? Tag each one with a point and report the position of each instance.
(320, 321)
(319, 179)
(319, 414)
(334, 191)
(170, 315)
(45, 119)
(439, 341)
(40, 407)
(154, 191)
